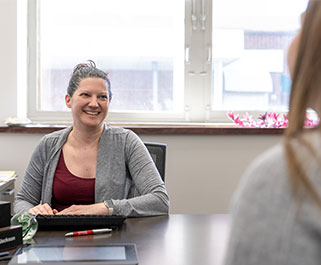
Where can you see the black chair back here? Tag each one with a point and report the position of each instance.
(158, 153)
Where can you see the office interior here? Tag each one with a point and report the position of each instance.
(202, 171)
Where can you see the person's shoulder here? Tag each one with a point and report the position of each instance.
(59, 133)
(117, 130)
(120, 136)
(270, 159)
(264, 182)
(56, 136)
(108, 129)
(268, 170)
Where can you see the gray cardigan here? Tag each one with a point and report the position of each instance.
(126, 176)
(268, 224)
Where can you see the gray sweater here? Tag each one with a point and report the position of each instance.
(268, 225)
(126, 176)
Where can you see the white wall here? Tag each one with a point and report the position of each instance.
(8, 55)
(202, 170)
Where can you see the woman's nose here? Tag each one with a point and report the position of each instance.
(93, 102)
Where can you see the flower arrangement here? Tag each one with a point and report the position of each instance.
(266, 120)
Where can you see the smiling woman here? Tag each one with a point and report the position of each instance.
(91, 168)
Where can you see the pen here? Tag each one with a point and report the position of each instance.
(5, 257)
(89, 232)
(5, 253)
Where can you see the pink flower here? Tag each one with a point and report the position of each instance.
(262, 117)
(267, 120)
(231, 115)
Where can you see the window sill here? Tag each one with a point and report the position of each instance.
(218, 129)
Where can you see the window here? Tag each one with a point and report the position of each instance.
(249, 64)
(169, 61)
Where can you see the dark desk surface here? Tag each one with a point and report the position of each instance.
(174, 239)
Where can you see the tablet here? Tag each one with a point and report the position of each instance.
(71, 255)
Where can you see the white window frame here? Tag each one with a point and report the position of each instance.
(197, 75)
(196, 95)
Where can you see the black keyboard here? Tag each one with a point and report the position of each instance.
(63, 222)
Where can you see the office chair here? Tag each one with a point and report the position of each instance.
(158, 153)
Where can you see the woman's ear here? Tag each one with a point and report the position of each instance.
(68, 100)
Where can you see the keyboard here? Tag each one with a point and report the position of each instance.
(63, 222)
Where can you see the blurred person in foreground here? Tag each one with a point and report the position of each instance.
(276, 216)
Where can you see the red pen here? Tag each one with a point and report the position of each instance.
(89, 232)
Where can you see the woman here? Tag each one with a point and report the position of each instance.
(276, 217)
(91, 168)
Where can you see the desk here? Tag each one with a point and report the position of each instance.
(163, 240)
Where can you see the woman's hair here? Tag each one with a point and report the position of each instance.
(306, 86)
(85, 70)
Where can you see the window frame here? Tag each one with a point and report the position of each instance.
(62, 116)
(197, 75)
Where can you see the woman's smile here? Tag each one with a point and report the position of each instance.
(92, 113)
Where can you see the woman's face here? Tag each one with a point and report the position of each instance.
(89, 103)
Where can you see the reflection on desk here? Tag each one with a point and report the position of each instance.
(174, 239)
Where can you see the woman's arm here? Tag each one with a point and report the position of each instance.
(152, 196)
(29, 194)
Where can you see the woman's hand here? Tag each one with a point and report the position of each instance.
(42, 209)
(98, 208)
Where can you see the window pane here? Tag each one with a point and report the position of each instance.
(140, 43)
(250, 44)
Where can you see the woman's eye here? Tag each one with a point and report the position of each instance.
(104, 97)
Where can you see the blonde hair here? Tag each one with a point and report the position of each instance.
(306, 86)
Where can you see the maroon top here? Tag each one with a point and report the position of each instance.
(68, 189)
